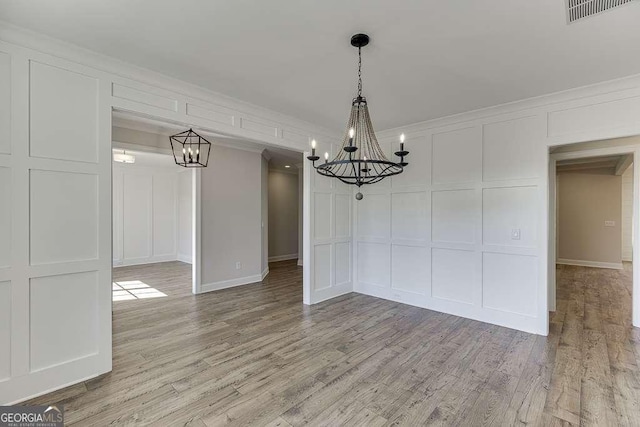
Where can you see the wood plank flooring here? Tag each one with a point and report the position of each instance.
(254, 355)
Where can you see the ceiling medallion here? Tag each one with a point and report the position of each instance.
(190, 150)
(361, 160)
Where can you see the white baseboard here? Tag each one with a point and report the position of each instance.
(595, 264)
(224, 284)
(185, 258)
(283, 257)
(300, 262)
(146, 260)
(265, 273)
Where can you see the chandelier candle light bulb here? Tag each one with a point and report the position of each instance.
(359, 169)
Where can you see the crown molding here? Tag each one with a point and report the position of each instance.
(620, 85)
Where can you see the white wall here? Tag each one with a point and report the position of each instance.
(627, 214)
(439, 235)
(283, 215)
(231, 219)
(185, 216)
(145, 214)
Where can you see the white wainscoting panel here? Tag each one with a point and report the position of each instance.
(509, 147)
(457, 156)
(322, 219)
(374, 214)
(509, 283)
(5, 103)
(214, 113)
(64, 319)
(164, 215)
(342, 263)
(5, 330)
(374, 267)
(453, 275)
(453, 216)
(409, 216)
(410, 269)
(61, 228)
(137, 216)
(328, 255)
(506, 209)
(144, 97)
(5, 217)
(594, 116)
(146, 213)
(342, 215)
(322, 267)
(64, 108)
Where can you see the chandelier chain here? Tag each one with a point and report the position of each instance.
(359, 72)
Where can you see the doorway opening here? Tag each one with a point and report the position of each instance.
(282, 188)
(152, 209)
(593, 217)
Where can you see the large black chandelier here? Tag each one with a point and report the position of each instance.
(361, 160)
(190, 150)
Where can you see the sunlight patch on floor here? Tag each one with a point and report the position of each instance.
(134, 289)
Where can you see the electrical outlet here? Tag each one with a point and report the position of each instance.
(609, 223)
(238, 265)
(515, 234)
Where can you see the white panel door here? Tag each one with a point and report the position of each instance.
(55, 225)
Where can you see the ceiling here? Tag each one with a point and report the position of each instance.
(427, 59)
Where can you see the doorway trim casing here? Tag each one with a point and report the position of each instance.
(632, 149)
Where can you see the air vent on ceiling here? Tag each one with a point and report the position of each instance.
(579, 9)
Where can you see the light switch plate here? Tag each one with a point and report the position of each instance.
(609, 223)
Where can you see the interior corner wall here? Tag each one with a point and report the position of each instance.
(627, 214)
(231, 215)
(264, 222)
(589, 225)
(283, 215)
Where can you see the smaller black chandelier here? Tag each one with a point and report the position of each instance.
(361, 160)
(190, 150)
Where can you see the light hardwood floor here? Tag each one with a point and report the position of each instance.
(254, 355)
